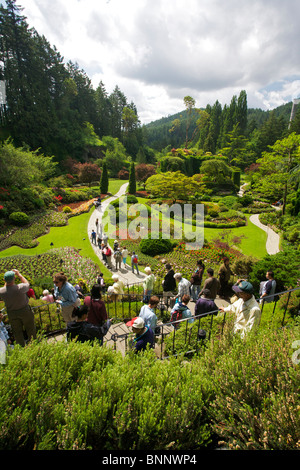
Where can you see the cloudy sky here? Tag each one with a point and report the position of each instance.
(159, 51)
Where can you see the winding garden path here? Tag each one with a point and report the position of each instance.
(273, 240)
(125, 274)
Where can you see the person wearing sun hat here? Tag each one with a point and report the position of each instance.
(16, 301)
(143, 335)
(246, 309)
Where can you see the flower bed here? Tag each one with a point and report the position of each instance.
(72, 205)
(45, 265)
(77, 208)
(185, 261)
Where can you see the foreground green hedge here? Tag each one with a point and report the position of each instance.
(80, 396)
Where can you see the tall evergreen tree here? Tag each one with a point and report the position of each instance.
(118, 102)
(242, 111)
(132, 179)
(104, 180)
(103, 107)
(34, 74)
(215, 124)
(49, 103)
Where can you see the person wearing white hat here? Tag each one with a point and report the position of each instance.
(144, 336)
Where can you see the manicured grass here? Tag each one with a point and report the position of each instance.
(74, 234)
(115, 185)
(254, 243)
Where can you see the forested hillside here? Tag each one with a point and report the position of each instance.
(51, 105)
(209, 127)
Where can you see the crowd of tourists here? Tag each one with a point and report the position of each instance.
(86, 317)
(115, 257)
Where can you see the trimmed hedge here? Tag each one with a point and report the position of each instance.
(154, 247)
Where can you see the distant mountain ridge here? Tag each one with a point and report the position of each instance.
(284, 109)
(158, 134)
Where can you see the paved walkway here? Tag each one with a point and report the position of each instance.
(125, 274)
(129, 278)
(273, 240)
(242, 189)
(120, 329)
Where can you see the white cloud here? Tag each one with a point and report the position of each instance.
(158, 51)
(285, 91)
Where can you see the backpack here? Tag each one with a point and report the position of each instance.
(176, 315)
(135, 260)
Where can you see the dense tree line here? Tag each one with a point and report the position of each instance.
(51, 105)
(216, 128)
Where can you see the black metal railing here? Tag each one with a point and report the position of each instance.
(203, 334)
(190, 331)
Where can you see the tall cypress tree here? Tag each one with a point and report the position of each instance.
(132, 179)
(242, 111)
(104, 180)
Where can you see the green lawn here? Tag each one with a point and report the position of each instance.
(74, 234)
(115, 185)
(254, 243)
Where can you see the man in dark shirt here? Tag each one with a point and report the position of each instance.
(267, 288)
(81, 330)
(212, 284)
(205, 304)
(169, 286)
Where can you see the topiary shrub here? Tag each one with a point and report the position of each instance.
(19, 218)
(155, 247)
(246, 200)
(131, 199)
(67, 210)
(213, 213)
